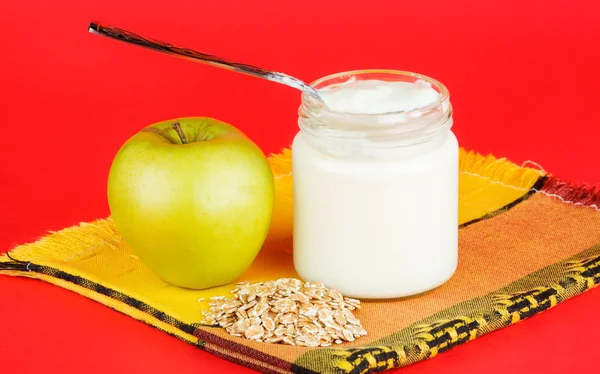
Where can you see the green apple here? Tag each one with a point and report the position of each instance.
(193, 198)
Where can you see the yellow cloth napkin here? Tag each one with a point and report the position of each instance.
(527, 242)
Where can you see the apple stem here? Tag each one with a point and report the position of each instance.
(177, 127)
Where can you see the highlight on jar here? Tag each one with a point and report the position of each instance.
(375, 185)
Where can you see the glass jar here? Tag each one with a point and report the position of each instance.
(376, 195)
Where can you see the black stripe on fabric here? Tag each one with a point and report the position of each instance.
(109, 292)
(538, 185)
(301, 370)
(148, 309)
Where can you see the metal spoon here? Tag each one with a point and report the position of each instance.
(129, 37)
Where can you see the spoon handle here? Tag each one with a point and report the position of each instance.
(129, 37)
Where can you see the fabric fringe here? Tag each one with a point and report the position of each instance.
(497, 169)
(470, 162)
(281, 163)
(64, 245)
(583, 194)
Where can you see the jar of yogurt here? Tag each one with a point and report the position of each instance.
(375, 174)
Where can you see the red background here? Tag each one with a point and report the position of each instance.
(523, 77)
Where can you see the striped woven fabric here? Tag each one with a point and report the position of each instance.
(528, 242)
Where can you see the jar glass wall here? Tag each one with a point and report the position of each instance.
(376, 195)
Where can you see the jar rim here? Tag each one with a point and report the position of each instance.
(443, 92)
(386, 129)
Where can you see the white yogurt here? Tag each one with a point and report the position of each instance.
(378, 97)
(373, 217)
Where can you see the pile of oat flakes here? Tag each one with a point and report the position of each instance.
(287, 311)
